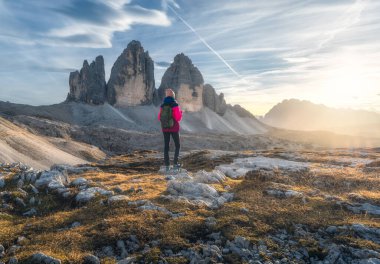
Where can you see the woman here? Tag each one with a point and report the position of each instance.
(170, 115)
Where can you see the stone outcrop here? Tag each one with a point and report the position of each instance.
(214, 101)
(88, 85)
(187, 82)
(240, 111)
(131, 81)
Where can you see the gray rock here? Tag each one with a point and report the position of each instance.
(108, 251)
(332, 229)
(22, 192)
(13, 260)
(187, 82)
(132, 77)
(128, 260)
(34, 189)
(12, 250)
(32, 200)
(123, 253)
(283, 193)
(90, 193)
(31, 212)
(117, 189)
(91, 259)
(52, 180)
(210, 222)
(368, 233)
(364, 208)
(214, 101)
(21, 240)
(20, 183)
(2, 181)
(20, 202)
(75, 224)
(79, 181)
(41, 258)
(2, 251)
(367, 261)
(117, 198)
(88, 85)
(333, 255)
(364, 253)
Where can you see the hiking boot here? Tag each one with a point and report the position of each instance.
(177, 167)
(167, 169)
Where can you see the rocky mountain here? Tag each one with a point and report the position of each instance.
(88, 85)
(304, 115)
(187, 82)
(131, 81)
(214, 101)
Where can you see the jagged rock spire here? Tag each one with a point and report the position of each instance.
(132, 77)
(88, 85)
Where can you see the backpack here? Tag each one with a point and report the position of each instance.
(166, 119)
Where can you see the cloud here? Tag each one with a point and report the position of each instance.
(95, 29)
(77, 23)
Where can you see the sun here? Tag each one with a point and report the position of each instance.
(348, 80)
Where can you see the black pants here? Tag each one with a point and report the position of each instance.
(175, 136)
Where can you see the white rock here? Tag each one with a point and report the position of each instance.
(117, 198)
(241, 166)
(215, 176)
(291, 193)
(52, 179)
(90, 193)
(79, 181)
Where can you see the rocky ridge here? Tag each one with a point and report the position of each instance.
(88, 85)
(132, 83)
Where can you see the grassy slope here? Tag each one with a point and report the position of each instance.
(104, 225)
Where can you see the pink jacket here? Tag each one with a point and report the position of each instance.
(177, 116)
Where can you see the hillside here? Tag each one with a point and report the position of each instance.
(19, 145)
(303, 115)
(275, 206)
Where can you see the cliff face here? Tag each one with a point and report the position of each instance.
(187, 82)
(131, 81)
(88, 85)
(214, 101)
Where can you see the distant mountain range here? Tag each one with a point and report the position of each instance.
(304, 115)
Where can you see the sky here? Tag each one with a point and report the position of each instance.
(256, 52)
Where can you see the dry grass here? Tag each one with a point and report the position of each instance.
(104, 225)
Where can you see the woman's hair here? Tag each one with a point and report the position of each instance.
(170, 92)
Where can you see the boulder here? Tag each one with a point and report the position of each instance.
(52, 180)
(131, 81)
(41, 258)
(91, 259)
(90, 193)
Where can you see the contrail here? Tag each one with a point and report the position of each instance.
(205, 42)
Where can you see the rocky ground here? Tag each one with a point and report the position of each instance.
(270, 206)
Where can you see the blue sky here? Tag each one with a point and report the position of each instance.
(256, 52)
